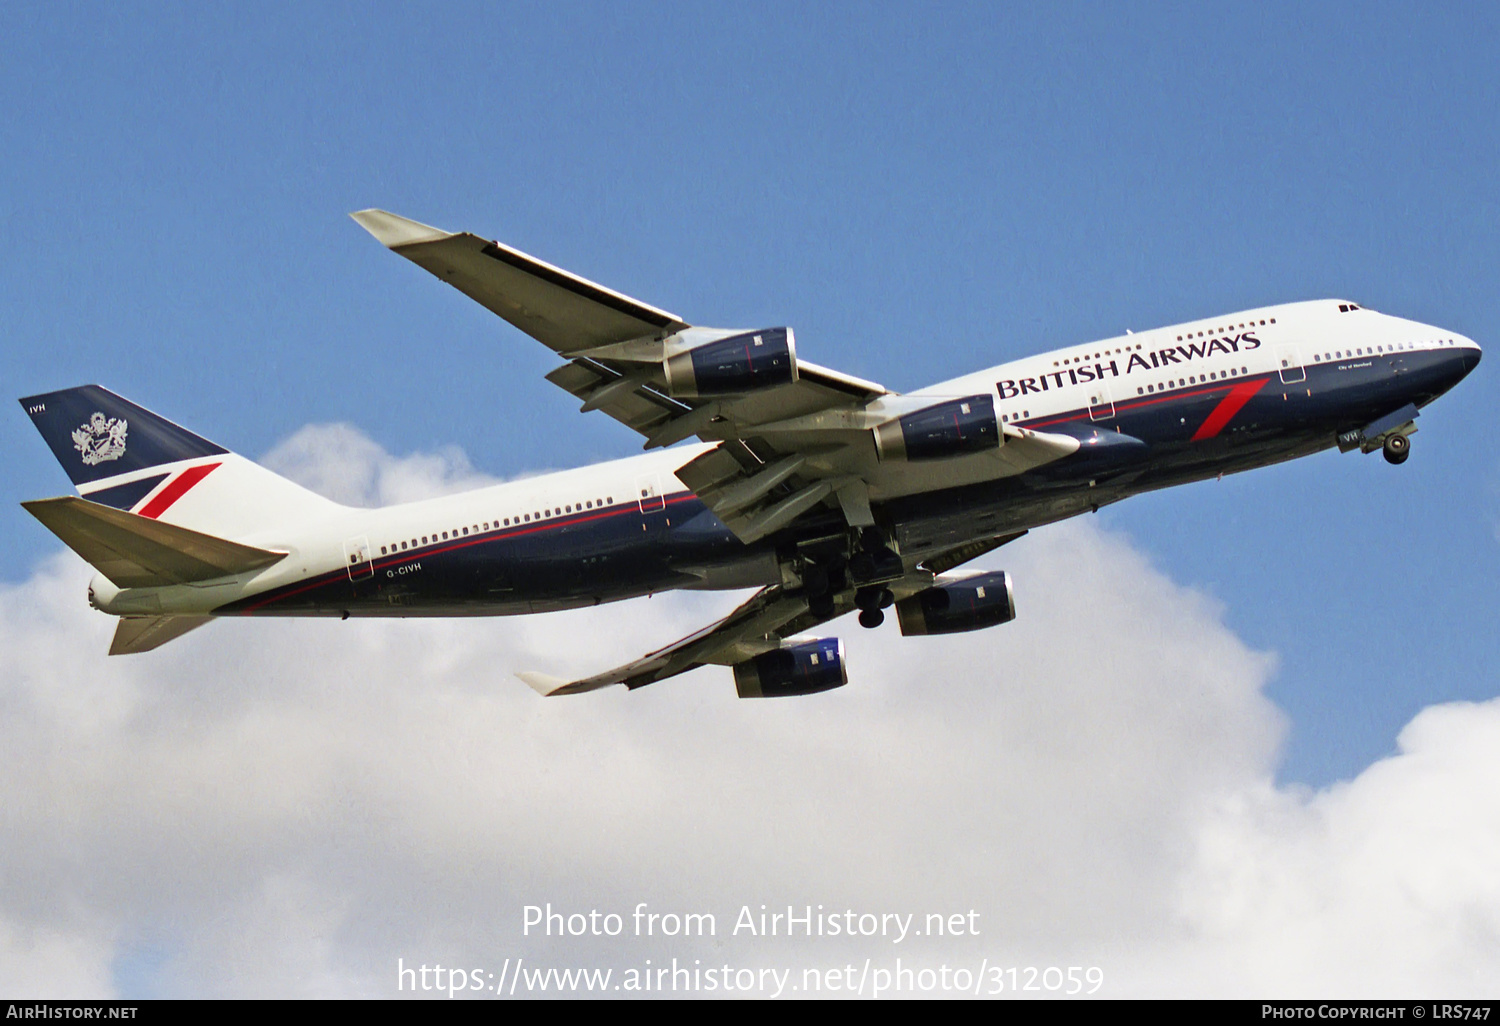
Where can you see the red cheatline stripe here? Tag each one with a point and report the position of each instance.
(176, 489)
(1231, 404)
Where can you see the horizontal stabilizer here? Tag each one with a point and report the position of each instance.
(138, 552)
(143, 633)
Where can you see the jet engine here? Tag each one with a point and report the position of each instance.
(957, 604)
(797, 668)
(954, 428)
(729, 366)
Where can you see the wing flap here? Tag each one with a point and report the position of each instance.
(138, 552)
(641, 408)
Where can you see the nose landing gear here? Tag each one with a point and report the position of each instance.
(1396, 449)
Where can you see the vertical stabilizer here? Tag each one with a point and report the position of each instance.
(122, 455)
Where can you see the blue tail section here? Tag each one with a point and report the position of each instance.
(125, 496)
(96, 434)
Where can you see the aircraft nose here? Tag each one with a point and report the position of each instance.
(1456, 363)
(1471, 355)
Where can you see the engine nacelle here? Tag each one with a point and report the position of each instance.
(730, 366)
(957, 604)
(954, 428)
(800, 668)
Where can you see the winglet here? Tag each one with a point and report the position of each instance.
(541, 683)
(395, 231)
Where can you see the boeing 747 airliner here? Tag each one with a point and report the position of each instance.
(827, 493)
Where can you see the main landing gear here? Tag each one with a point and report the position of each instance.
(874, 562)
(866, 565)
(870, 602)
(1396, 449)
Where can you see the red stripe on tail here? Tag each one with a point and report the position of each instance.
(176, 489)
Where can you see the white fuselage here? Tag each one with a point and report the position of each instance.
(391, 544)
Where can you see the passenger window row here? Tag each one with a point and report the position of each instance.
(1192, 379)
(524, 518)
(1224, 328)
(1089, 357)
(1398, 347)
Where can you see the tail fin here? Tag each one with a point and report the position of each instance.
(138, 552)
(121, 455)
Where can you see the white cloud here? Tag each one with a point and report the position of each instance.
(287, 807)
(346, 465)
(1386, 884)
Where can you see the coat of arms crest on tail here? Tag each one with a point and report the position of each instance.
(100, 440)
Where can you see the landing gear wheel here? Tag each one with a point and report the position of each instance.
(871, 618)
(821, 606)
(1397, 448)
(887, 598)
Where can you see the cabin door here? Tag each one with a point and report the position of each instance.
(1289, 363)
(1101, 405)
(357, 559)
(653, 503)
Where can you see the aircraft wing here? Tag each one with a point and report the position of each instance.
(609, 338)
(756, 626)
(562, 311)
(783, 449)
(761, 624)
(769, 616)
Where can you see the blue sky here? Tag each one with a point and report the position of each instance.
(918, 190)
